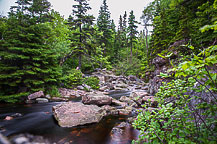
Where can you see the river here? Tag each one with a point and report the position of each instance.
(38, 119)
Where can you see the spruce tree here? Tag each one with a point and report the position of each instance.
(81, 21)
(104, 24)
(28, 62)
(132, 32)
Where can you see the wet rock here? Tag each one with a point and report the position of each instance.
(121, 85)
(42, 100)
(86, 86)
(28, 139)
(103, 88)
(116, 130)
(8, 118)
(129, 101)
(16, 115)
(119, 129)
(48, 96)
(138, 94)
(145, 88)
(80, 87)
(126, 111)
(73, 114)
(36, 95)
(58, 99)
(97, 99)
(67, 93)
(118, 103)
(4, 140)
(29, 101)
(110, 110)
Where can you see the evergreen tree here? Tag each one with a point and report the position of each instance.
(125, 22)
(120, 26)
(132, 32)
(104, 24)
(125, 31)
(28, 61)
(147, 19)
(81, 21)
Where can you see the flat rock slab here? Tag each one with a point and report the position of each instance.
(72, 114)
(97, 99)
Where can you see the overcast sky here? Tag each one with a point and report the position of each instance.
(116, 7)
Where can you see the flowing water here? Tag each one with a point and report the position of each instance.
(37, 119)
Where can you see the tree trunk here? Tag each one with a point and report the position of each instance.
(131, 51)
(80, 49)
(146, 40)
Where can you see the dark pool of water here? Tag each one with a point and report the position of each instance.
(37, 119)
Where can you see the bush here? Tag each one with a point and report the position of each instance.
(53, 91)
(188, 104)
(125, 68)
(93, 82)
(73, 78)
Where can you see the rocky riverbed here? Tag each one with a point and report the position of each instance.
(78, 107)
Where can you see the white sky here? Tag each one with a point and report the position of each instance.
(116, 7)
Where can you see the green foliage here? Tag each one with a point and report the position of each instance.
(81, 28)
(93, 82)
(72, 78)
(180, 20)
(187, 104)
(125, 68)
(105, 25)
(30, 51)
(53, 91)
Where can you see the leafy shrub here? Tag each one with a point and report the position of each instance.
(53, 91)
(188, 104)
(93, 82)
(125, 68)
(73, 78)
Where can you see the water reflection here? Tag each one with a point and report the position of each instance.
(37, 119)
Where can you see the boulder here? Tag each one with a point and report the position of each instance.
(110, 110)
(129, 101)
(36, 95)
(8, 118)
(119, 128)
(103, 88)
(121, 85)
(138, 94)
(74, 114)
(80, 87)
(97, 99)
(126, 111)
(86, 86)
(67, 93)
(42, 100)
(159, 61)
(118, 103)
(15, 115)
